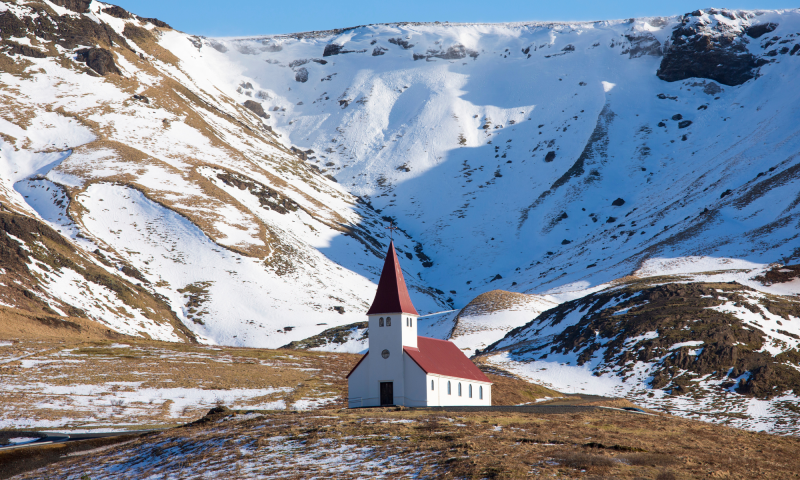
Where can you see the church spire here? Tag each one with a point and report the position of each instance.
(392, 295)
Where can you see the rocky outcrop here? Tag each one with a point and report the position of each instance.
(80, 6)
(703, 47)
(256, 108)
(156, 22)
(117, 12)
(24, 50)
(98, 59)
(455, 52)
(684, 331)
(336, 49)
(67, 31)
(642, 44)
(301, 75)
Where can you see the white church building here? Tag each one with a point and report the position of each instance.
(402, 368)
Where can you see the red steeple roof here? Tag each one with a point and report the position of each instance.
(392, 295)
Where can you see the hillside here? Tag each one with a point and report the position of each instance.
(721, 352)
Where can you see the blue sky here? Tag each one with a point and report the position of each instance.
(254, 17)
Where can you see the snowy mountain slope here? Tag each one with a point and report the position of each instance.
(504, 148)
(524, 157)
(722, 352)
(183, 187)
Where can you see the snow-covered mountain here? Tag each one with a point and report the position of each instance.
(244, 183)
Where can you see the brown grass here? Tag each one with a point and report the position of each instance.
(445, 446)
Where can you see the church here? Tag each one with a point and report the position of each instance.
(402, 368)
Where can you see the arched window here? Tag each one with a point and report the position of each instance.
(480, 393)
(388, 321)
(459, 389)
(431, 384)
(410, 322)
(380, 322)
(470, 391)
(448, 387)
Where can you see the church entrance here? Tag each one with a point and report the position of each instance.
(387, 393)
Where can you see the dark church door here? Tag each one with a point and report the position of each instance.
(387, 393)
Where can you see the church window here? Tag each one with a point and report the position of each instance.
(448, 387)
(388, 321)
(380, 322)
(459, 389)
(470, 391)
(410, 322)
(480, 393)
(431, 384)
(385, 353)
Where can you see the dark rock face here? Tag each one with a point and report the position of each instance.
(455, 52)
(301, 75)
(80, 6)
(550, 156)
(332, 49)
(401, 43)
(118, 12)
(24, 50)
(156, 22)
(66, 31)
(618, 202)
(643, 44)
(11, 26)
(703, 49)
(98, 59)
(756, 31)
(256, 108)
(379, 51)
(336, 49)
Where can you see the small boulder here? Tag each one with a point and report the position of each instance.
(256, 108)
(618, 202)
(677, 117)
(98, 59)
(550, 156)
(301, 75)
(684, 124)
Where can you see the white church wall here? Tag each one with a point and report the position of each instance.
(358, 387)
(415, 383)
(441, 398)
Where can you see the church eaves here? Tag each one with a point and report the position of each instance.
(392, 295)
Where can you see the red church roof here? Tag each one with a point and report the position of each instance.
(442, 357)
(392, 295)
